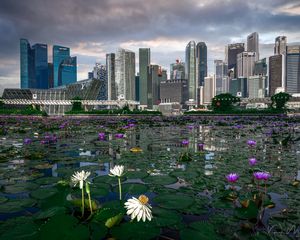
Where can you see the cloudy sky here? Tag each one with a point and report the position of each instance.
(92, 28)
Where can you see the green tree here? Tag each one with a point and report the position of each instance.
(279, 100)
(224, 102)
(1, 103)
(77, 104)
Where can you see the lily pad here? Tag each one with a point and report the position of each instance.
(132, 188)
(100, 189)
(174, 201)
(16, 205)
(136, 174)
(50, 212)
(107, 179)
(20, 187)
(160, 180)
(47, 180)
(164, 218)
(25, 231)
(43, 193)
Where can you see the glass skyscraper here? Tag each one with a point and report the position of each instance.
(41, 65)
(293, 69)
(67, 71)
(144, 62)
(111, 79)
(60, 53)
(190, 70)
(26, 65)
(201, 63)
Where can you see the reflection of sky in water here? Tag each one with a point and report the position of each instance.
(208, 167)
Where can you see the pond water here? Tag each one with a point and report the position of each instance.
(180, 164)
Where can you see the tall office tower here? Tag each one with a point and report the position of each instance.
(177, 70)
(111, 80)
(26, 64)
(67, 71)
(261, 67)
(100, 73)
(220, 73)
(137, 88)
(190, 70)
(125, 74)
(245, 64)
(238, 87)
(201, 63)
(154, 74)
(280, 45)
(275, 74)
(256, 86)
(209, 89)
(50, 75)
(41, 65)
(59, 55)
(144, 62)
(293, 69)
(164, 75)
(232, 50)
(253, 44)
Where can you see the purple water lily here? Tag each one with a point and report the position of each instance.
(262, 175)
(101, 136)
(252, 161)
(232, 177)
(200, 146)
(251, 143)
(27, 141)
(185, 142)
(119, 135)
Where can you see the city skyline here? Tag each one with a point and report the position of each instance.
(92, 29)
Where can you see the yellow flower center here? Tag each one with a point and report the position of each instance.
(143, 199)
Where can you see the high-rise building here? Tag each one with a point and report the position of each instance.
(59, 54)
(190, 70)
(41, 65)
(232, 50)
(293, 69)
(256, 86)
(280, 45)
(172, 91)
(137, 88)
(245, 64)
(67, 71)
(26, 64)
(261, 67)
(50, 75)
(201, 63)
(220, 73)
(253, 44)
(238, 87)
(275, 74)
(144, 62)
(111, 80)
(125, 74)
(177, 70)
(153, 82)
(100, 73)
(209, 89)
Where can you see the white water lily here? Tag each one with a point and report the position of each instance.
(80, 177)
(117, 171)
(139, 208)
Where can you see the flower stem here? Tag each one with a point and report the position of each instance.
(120, 188)
(82, 202)
(90, 202)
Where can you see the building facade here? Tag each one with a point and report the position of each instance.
(174, 91)
(231, 52)
(293, 69)
(125, 74)
(256, 86)
(209, 90)
(111, 79)
(220, 73)
(201, 63)
(253, 44)
(153, 85)
(245, 64)
(67, 71)
(190, 70)
(59, 54)
(144, 62)
(275, 73)
(41, 65)
(177, 70)
(280, 45)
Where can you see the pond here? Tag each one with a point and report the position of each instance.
(180, 166)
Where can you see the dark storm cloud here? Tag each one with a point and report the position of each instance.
(113, 22)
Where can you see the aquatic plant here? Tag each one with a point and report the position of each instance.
(139, 208)
(118, 171)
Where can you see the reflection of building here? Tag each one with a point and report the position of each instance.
(293, 69)
(190, 70)
(144, 62)
(125, 74)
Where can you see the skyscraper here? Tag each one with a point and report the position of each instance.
(153, 85)
(144, 62)
(245, 64)
(67, 71)
(201, 63)
(209, 89)
(293, 69)
(232, 50)
(190, 70)
(27, 68)
(111, 80)
(280, 45)
(100, 73)
(220, 73)
(50, 75)
(60, 53)
(260, 67)
(41, 65)
(125, 74)
(275, 74)
(253, 44)
(177, 70)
